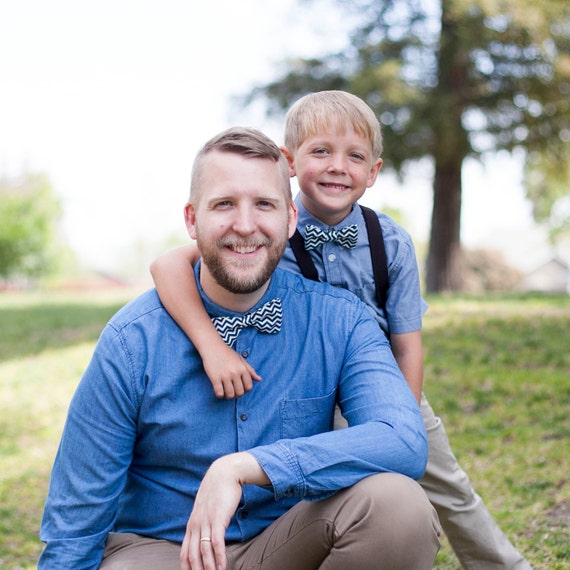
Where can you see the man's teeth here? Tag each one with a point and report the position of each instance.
(244, 249)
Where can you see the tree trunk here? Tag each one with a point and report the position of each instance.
(444, 259)
(443, 272)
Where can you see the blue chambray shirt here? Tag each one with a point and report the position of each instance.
(352, 269)
(144, 424)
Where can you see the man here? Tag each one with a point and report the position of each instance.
(153, 471)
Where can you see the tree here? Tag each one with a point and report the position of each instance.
(448, 82)
(29, 217)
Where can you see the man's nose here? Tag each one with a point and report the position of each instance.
(244, 221)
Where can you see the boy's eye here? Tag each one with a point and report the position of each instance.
(320, 151)
(357, 156)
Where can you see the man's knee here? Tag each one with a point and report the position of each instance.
(385, 518)
(399, 497)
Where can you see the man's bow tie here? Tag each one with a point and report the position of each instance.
(267, 319)
(347, 236)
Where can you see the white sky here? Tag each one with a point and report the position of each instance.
(112, 98)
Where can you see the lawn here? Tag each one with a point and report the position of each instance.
(497, 372)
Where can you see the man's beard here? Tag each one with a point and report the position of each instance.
(231, 276)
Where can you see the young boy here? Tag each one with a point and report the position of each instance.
(333, 145)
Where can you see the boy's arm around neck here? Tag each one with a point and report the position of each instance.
(173, 274)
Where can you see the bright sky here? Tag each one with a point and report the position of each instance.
(111, 99)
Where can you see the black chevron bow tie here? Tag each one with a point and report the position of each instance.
(266, 319)
(346, 237)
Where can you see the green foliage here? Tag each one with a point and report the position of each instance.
(547, 176)
(29, 217)
(497, 372)
(449, 81)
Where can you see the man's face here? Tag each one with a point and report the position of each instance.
(241, 221)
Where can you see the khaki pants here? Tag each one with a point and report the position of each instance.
(383, 522)
(477, 541)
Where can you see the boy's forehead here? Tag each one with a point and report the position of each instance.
(337, 126)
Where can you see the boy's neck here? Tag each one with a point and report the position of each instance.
(330, 218)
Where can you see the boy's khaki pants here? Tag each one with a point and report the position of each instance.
(383, 522)
(477, 541)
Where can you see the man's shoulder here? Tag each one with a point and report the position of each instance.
(141, 306)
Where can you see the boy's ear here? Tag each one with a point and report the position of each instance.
(290, 160)
(190, 219)
(373, 174)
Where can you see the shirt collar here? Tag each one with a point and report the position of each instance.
(216, 311)
(305, 218)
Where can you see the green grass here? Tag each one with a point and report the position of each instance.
(497, 372)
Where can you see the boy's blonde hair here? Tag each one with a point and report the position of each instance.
(325, 109)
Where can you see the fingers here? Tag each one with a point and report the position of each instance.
(253, 375)
(236, 385)
(203, 552)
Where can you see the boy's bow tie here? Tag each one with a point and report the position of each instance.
(347, 236)
(266, 319)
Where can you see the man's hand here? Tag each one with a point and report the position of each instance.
(218, 497)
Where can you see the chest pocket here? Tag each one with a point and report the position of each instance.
(306, 417)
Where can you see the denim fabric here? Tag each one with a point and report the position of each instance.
(351, 269)
(144, 424)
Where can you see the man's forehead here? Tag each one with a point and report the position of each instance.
(227, 173)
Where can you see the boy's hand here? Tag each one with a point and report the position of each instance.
(230, 375)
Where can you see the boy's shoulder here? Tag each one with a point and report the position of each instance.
(390, 226)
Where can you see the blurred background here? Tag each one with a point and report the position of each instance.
(104, 104)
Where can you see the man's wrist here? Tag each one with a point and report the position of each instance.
(243, 467)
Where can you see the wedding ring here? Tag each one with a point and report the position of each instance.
(205, 539)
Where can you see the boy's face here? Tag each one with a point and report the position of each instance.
(334, 168)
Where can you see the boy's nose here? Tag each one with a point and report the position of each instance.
(337, 164)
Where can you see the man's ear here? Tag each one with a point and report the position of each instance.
(293, 218)
(290, 160)
(190, 219)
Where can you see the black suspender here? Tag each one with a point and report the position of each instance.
(303, 257)
(377, 254)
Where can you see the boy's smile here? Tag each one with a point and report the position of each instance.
(334, 168)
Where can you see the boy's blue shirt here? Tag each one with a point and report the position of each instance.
(352, 269)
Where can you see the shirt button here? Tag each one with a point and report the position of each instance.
(245, 353)
(243, 417)
(332, 257)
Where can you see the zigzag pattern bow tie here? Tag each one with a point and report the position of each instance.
(314, 236)
(267, 319)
